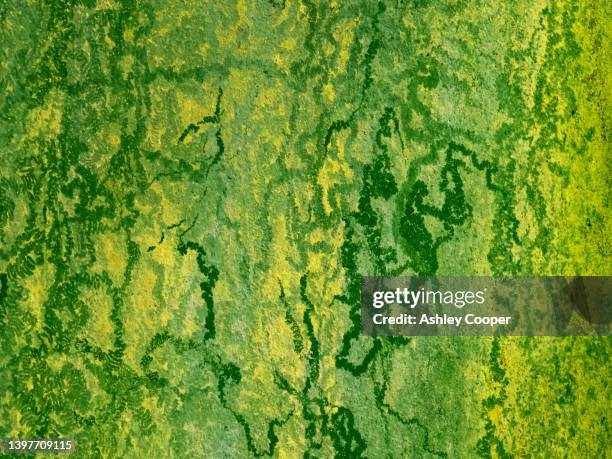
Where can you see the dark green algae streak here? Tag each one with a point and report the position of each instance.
(451, 131)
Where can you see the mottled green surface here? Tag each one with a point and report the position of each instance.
(190, 193)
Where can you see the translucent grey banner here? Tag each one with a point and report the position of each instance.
(486, 306)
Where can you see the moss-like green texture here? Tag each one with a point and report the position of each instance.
(190, 193)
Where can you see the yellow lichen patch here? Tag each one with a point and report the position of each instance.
(128, 34)
(290, 448)
(143, 315)
(170, 213)
(261, 377)
(99, 327)
(111, 255)
(270, 102)
(289, 43)
(302, 199)
(126, 64)
(45, 121)
(266, 97)
(316, 235)
(331, 236)
(344, 34)
(495, 415)
(181, 291)
(227, 36)
(281, 63)
(240, 80)
(92, 384)
(108, 41)
(280, 270)
(166, 254)
(328, 378)
(332, 173)
(114, 135)
(321, 266)
(328, 90)
(527, 228)
(203, 50)
(106, 5)
(245, 16)
(150, 402)
(57, 361)
(18, 429)
(316, 262)
(223, 291)
(190, 323)
(280, 351)
(328, 47)
(192, 109)
(38, 285)
(292, 160)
